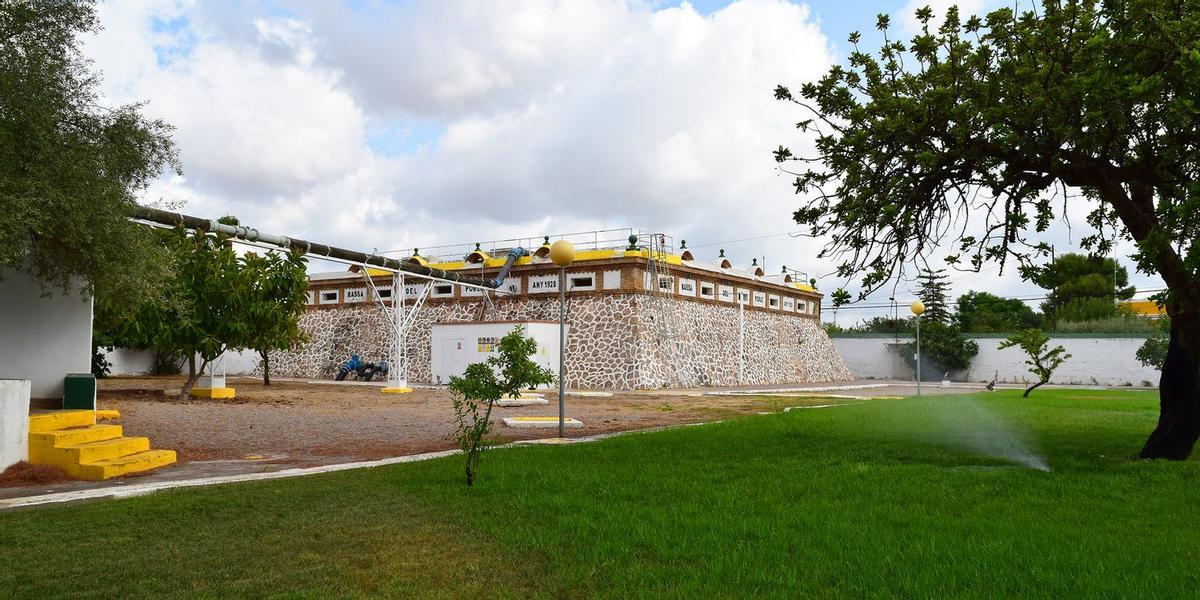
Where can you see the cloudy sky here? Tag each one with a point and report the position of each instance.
(382, 126)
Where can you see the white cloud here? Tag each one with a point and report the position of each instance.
(546, 117)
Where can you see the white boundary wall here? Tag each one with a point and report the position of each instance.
(1094, 361)
(140, 362)
(43, 338)
(14, 421)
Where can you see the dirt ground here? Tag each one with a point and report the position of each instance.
(306, 424)
(298, 423)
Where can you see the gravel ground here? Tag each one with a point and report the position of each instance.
(306, 424)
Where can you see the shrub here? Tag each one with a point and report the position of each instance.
(943, 349)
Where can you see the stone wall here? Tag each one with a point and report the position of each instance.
(615, 341)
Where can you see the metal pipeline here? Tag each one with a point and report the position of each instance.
(513, 256)
(250, 234)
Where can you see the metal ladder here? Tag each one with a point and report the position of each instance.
(666, 322)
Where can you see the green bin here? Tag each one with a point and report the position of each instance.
(79, 391)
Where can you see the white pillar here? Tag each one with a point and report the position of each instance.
(14, 421)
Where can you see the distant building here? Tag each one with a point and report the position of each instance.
(1144, 308)
(640, 315)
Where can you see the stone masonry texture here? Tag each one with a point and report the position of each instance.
(615, 341)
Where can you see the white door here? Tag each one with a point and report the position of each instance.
(452, 356)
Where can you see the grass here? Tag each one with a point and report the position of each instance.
(884, 498)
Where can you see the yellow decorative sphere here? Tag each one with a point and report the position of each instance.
(918, 307)
(562, 253)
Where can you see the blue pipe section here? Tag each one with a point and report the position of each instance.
(513, 255)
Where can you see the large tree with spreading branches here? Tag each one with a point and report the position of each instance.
(986, 130)
(71, 168)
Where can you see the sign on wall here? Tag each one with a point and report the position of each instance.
(727, 293)
(612, 280)
(356, 294)
(760, 299)
(543, 284)
(687, 287)
(789, 304)
(411, 291)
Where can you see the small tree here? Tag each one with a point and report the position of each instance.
(482, 384)
(1042, 362)
(277, 285)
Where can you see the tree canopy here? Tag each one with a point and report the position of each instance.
(982, 132)
(982, 312)
(1083, 288)
(70, 168)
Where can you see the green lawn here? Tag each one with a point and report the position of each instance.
(884, 498)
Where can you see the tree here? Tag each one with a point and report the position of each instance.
(933, 290)
(201, 310)
(277, 283)
(482, 384)
(981, 312)
(1083, 288)
(70, 168)
(944, 349)
(1042, 362)
(1002, 122)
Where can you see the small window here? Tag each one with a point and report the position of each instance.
(443, 291)
(385, 292)
(707, 290)
(773, 301)
(329, 296)
(583, 282)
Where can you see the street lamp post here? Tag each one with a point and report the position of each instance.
(562, 254)
(917, 308)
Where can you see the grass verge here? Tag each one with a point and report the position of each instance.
(914, 497)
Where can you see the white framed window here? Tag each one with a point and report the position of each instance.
(384, 291)
(666, 283)
(743, 296)
(442, 290)
(329, 296)
(708, 290)
(773, 301)
(584, 282)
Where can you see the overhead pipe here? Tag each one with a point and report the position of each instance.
(250, 234)
(513, 256)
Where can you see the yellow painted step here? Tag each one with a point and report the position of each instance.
(107, 415)
(88, 452)
(134, 463)
(78, 435)
(60, 419)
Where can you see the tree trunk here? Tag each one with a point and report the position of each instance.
(266, 360)
(193, 376)
(1179, 392)
(1034, 387)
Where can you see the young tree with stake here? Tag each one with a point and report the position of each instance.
(1002, 122)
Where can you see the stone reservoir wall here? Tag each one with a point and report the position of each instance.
(615, 341)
